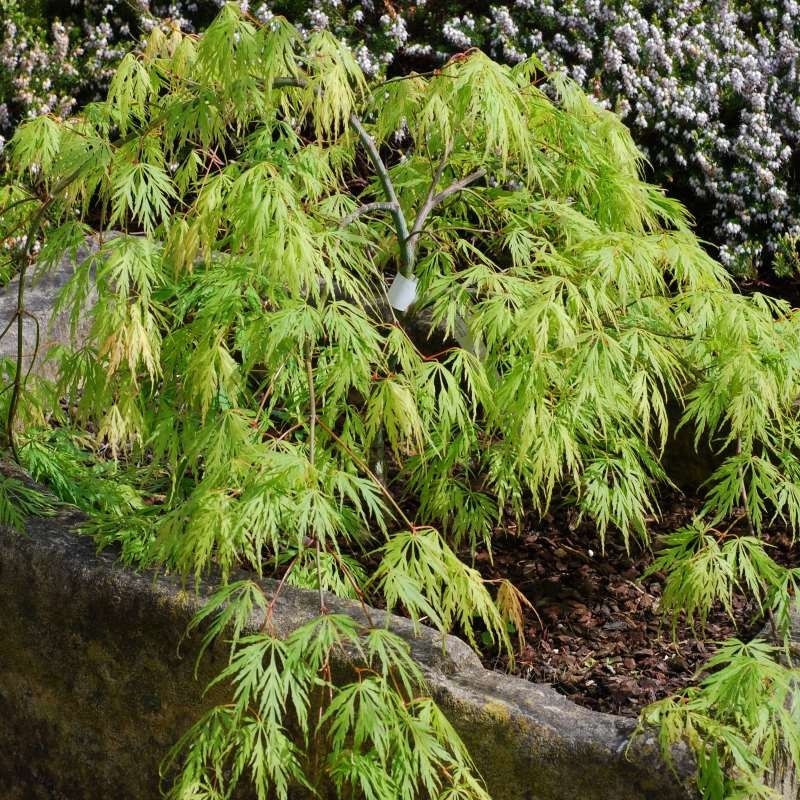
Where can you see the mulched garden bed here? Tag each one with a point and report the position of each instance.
(596, 633)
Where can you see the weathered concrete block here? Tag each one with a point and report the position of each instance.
(94, 688)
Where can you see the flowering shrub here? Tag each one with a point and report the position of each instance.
(711, 90)
(47, 63)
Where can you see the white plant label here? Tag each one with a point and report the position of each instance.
(402, 292)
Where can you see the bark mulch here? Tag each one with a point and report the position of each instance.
(596, 633)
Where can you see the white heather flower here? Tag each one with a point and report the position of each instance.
(365, 60)
(455, 35)
(395, 28)
(318, 19)
(506, 26)
(683, 69)
(263, 13)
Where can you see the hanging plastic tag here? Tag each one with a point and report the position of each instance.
(402, 292)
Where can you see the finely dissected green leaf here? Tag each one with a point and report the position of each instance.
(19, 501)
(737, 721)
(704, 566)
(419, 572)
(377, 735)
(233, 605)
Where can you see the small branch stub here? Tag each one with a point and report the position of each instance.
(402, 292)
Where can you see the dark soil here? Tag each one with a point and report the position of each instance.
(596, 633)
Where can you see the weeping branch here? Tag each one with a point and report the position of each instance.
(11, 206)
(365, 209)
(433, 200)
(773, 626)
(437, 176)
(312, 447)
(393, 204)
(406, 251)
(36, 343)
(26, 258)
(408, 240)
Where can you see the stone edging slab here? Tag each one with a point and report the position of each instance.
(93, 688)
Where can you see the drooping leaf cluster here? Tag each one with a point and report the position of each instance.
(705, 567)
(291, 726)
(18, 501)
(571, 299)
(740, 721)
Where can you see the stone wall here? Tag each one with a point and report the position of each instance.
(94, 688)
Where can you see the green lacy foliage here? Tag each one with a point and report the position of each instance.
(705, 567)
(275, 411)
(739, 721)
(18, 501)
(378, 737)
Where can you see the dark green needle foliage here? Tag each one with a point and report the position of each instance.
(256, 197)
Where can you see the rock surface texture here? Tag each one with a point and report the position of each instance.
(40, 297)
(94, 688)
(784, 779)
